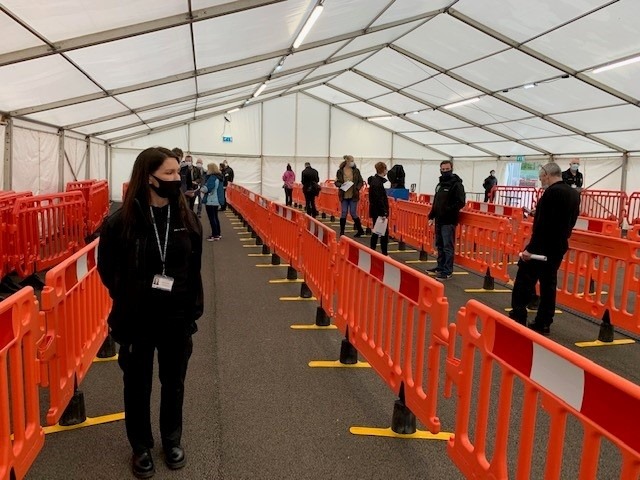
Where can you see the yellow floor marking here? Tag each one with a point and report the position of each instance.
(336, 364)
(482, 290)
(598, 343)
(89, 422)
(246, 239)
(268, 265)
(237, 228)
(285, 280)
(387, 432)
(108, 359)
(420, 261)
(258, 254)
(582, 294)
(313, 327)
(243, 233)
(532, 311)
(401, 251)
(297, 299)
(252, 246)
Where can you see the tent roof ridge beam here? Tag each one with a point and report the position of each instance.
(505, 99)
(129, 31)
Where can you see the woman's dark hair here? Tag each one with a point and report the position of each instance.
(289, 167)
(137, 197)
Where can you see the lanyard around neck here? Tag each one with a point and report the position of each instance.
(163, 251)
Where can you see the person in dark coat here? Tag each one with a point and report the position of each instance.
(310, 188)
(572, 176)
(348, 172)
(555, 216)
(489, 182)
(149, 259)
(447, 203)
(228, 176)
(379, 205)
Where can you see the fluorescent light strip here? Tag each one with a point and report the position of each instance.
(529, 85)
(386, 117)
(464, 102)
(233, 110)
(611, 66)
(307, 26)
(260, 90)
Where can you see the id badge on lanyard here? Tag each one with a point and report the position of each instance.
(162, 282)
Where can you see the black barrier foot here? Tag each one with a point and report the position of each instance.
(33, 281)
(423, 256)
(348, 353)
(322, 319)
(275, 259)
(291, 273)
(305, 291)
(403, 420)
(606, 329)
(9, 285)
(259, 241)
(108, 348)
(367, 231)
(332, 218)
(75, 413)
(402, 246)
(489, 283)
(246, 224)
(266, 250)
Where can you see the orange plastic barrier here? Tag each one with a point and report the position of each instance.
(8, 231)
(284, 236)
(411, 225)
(317, 259)
(483, 242)
(21, 436)
(49, 229)
(516, 196)
(76, 305)
(260, 216)
(426, 198)
(328, 202)
(298, 194)
(96, 198)
(397, 319)
(514, 213)
(558, 385)
(605, 204)
(610, 228)
(633, 208)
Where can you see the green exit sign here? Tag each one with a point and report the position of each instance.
(519, 158)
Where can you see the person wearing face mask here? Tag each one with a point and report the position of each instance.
(379, 205)
(188, 185)
(447, 203)
(349, 182)
(556, 215)
(488, 184)
(198, 175)
(149, 259)
(572, 176)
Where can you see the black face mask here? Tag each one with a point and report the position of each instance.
(167, 188)
(447, 174)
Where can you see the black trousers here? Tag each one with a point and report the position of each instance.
(310, 204)
(384, 240)
(136, 362)
(524, 288)
(288, 196)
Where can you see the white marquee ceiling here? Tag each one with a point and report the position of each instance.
(117, 68)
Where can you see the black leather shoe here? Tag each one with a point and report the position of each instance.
(142, 465)
(174, 458)
(541, 329)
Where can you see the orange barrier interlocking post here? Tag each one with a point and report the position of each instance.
(397, 319)
(76, 305)
(557, 383)
(21, 436)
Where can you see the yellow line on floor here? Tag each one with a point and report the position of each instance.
(268, 265)
(108, 359)
(243, 233)
(387, 432)
(482, 290)
(251, 246)
(591, 294)
(598, 343)
(89, 422)
(246, 239)
(401, 251)
(286, 280)
(313, 327)
(237, 228)
(336, 364)
(258, 254)
(420, 261)
(297, 299)
(533, 311)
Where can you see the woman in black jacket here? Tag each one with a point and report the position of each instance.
(379, 205)
(149, 258)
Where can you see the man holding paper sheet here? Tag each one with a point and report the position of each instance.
(379, 208)
(555, 217)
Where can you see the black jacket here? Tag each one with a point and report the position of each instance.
(228, 175)
(378, 201)
(308, 178)
(358, 182)
(556, 215)
(489, 183)
(448, 201)
(127, 268)
(570, 179)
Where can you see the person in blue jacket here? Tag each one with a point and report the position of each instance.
(213, 189)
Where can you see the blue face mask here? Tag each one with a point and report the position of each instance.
(574, 167)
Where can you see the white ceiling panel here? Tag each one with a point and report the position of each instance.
(524, 19)
(603, 119)
(40, 81)
(449, 43)
(601, 37)
(395, 69)
(306, 85)
(307, 57)
(439, 120)
(339, 17)
(386, 36)
(287, 80)
(60, 20)
(460, 150)
(627, 140)
(572, 144)
(515, 67)
(15, 37)
(245, 34)
(169, 121)
(339, 66)
(126, 131)
(474, 135)
(161, 93)
(81, 112)
(109, 124)
(623, 79)
(198, 4)
(129, 61)
(530, 128)
(561, 96)
(441, 90)
(401, 9)
(490, 110)
(398, 103)
(243, 93)
(233, 76)
(429, 138)
(507, 148)
(168, 110)
(220, 108)
(358, 85)
(362, 109)
(330, 95)
(397, 124)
